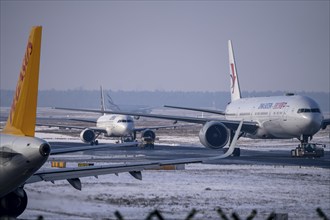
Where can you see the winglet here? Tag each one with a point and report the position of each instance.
(22, 116)
(234, 84)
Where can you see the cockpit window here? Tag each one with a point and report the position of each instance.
(301, 110)
(125, 121)
(304, 110)
(316, 110)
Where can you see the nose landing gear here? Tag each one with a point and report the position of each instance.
(306, 149)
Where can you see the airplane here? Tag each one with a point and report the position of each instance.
(277, 117)
(22, 154)
(112, 125)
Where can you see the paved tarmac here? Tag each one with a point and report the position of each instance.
(167, 152)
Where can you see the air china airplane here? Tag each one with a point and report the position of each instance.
(278, 117)
(22, 154)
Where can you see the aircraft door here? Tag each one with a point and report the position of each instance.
(285, 113)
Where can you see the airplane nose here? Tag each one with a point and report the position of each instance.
(312, 123)
(126, 129)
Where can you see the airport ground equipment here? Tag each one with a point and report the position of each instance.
(308, 150)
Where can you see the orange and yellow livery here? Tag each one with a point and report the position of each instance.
(22, 115)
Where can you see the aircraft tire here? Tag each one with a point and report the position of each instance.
(237, 152)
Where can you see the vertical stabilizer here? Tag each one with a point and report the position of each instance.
(22, 115)
(234, 84)
(102, 100)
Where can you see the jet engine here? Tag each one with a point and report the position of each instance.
(214, 135)
(148, 139)
(148, 135)
(87, 135)
(13, 204)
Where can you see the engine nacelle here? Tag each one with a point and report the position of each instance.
(87, 135)
(148, 135)
(13, 204)
(214, 135)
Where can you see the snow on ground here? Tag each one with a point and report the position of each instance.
(297, 191)
(294, 190)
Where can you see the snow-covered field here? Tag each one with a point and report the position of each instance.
(294, 190)
(297, 191)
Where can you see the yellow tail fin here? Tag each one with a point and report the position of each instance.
(22, 116)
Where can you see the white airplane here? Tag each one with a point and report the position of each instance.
(278, 117)
(22, 154)
(114, 126)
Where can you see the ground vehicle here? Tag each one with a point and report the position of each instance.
(308, 150)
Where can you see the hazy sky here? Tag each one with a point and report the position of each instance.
(170, 45)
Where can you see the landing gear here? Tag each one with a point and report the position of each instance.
(96, 142)
(128, 138)
(306, 149)
(14, 203)
(236, 152)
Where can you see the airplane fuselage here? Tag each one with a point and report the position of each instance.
(20, 157)
(116, 125)
(279, 116)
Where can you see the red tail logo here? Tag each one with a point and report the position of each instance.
(233, 77)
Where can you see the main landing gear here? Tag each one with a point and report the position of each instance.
(237, 150)
(95, 142)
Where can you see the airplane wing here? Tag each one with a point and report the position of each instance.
(60, 126)
(84, 120)
(248, 126)
(325, 123)
(72, 175)
(96, 129)
(158, 127)
(89, 147)
(197, 109)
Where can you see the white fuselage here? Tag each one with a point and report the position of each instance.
(116, 125)
(278, 116)
(20, 157)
